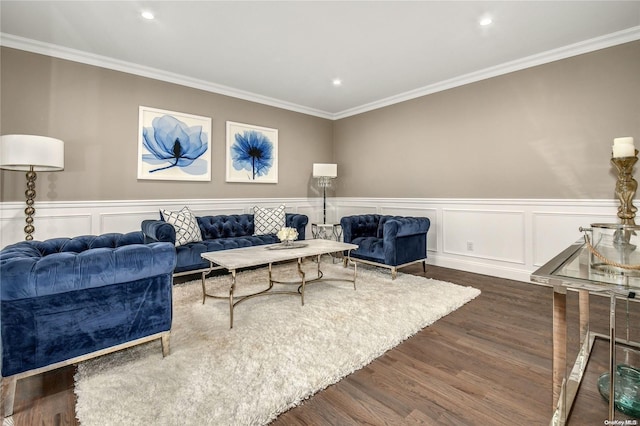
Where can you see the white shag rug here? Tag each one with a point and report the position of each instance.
(278, 353)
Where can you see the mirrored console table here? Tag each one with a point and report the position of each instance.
(571, 271)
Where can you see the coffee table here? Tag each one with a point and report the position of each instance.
(246, 257)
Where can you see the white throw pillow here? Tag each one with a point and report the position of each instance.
(268, 221)
(185, 224)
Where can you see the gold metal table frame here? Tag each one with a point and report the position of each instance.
(236, 259)
(571, 271)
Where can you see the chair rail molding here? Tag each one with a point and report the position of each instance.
(508, 238)
(73, 218)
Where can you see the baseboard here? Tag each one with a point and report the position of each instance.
(480, 268)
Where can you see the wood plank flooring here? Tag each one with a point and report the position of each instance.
(488, 363)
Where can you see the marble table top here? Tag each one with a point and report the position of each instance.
(262, 255)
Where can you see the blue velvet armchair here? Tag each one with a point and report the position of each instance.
(65, 300)
(387, 241)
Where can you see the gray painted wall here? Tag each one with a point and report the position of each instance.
(95, 112)
(544, 132)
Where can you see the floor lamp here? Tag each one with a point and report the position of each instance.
(324, 173)
(31, 154)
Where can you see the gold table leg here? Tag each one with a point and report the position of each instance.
(231, 290)
(302, 276)
(204, 287)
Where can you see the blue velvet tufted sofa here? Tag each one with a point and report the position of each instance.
(65, 300)
(388, 241)
(221, 232)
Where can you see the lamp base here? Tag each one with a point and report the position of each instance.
(29, 211)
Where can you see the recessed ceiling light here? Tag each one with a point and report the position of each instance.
(147, 15)
(336, 82)
(486, 21)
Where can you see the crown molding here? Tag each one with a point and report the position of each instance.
(609, 40)
(74, 55)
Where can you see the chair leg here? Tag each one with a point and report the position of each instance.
(424, 266)
(8, 385)
(394, 273)
(166, 347)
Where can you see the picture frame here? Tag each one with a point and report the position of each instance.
(161, 155)
(251, 153)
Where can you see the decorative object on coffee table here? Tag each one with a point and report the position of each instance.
(287, 235)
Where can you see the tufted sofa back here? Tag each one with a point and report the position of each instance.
(76, 244)
(370, 225)
(37, 268)
(226, 226)
(365, 225)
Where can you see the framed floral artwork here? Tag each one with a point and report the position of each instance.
(173, 145)
(252, 153)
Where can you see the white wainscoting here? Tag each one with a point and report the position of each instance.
(68, 219)
(509, 238)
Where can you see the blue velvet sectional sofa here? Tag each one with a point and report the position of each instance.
(65, 300)
(387, 241)
(220, 232)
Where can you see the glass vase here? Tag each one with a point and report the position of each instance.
(627, 389)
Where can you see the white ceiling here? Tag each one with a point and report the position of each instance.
(287, 53)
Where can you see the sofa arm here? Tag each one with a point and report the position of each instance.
(299, 222)
(404, 226)
(158, 231)
(405, 239)
(347, 229)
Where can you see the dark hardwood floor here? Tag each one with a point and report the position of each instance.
(488, 363)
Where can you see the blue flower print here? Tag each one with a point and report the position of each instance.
(171, 140)
(252, 151)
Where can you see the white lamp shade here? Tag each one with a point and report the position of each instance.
(21, 152)
(325, 170)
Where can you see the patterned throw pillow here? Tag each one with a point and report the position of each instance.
(268, 221)
(185, 223)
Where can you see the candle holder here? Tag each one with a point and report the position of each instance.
(626, 187)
